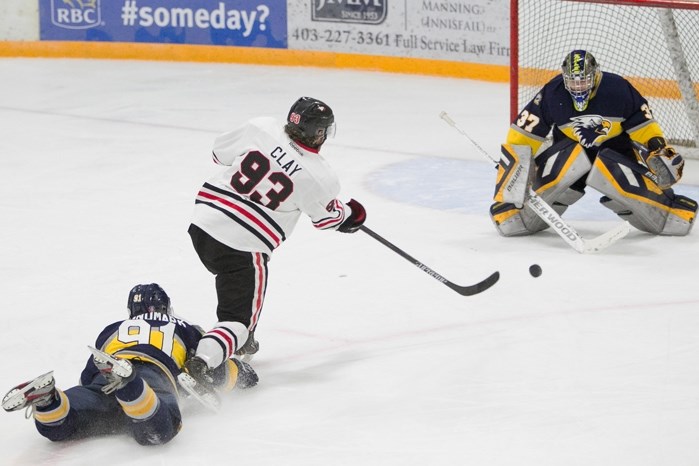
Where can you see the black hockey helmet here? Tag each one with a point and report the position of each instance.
(148, 298)
(310, 122)
(581, 76)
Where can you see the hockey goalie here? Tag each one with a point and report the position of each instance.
(604, 137)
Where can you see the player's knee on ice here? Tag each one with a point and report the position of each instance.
(558, 171)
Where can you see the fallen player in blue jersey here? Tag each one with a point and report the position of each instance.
(133, 380)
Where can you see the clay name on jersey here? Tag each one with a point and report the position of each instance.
(286, 164)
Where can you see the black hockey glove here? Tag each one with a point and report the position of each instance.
(356, 218)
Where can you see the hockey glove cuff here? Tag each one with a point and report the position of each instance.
(664, 162)
(355, 219)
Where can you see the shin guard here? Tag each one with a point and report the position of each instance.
(557, 169)
(634, 195)
(515, 169)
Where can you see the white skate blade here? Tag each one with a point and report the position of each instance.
(119, 367)
(246, 358)
(207, 398)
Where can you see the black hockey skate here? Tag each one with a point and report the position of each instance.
(198, 380)
(247, 377)
(200, 371)
(248, 350)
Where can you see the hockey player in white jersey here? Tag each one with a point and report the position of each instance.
(274, 174)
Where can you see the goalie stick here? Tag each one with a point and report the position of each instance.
(467, 290)
(551, 217)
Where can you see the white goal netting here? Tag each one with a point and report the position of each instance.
(657, 49)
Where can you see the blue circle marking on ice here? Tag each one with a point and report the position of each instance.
(437, 183)
(467, 186)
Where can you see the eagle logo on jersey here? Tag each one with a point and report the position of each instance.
(589, 128)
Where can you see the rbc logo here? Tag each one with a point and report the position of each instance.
(76, 14)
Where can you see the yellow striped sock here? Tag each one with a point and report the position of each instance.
(57, 414)
(142, 407)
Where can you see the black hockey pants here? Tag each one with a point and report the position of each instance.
(241, 278)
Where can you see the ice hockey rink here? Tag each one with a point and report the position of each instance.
(364, 360)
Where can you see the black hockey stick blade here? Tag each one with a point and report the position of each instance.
(470, 290)
(467, 290)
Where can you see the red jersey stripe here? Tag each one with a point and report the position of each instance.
(250, 216)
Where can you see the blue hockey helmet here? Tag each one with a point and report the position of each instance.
(310, 122)
(581, 76)
(148, 298)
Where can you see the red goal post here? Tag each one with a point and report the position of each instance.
(654, 44)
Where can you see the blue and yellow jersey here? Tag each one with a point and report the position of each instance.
(615, 114)
(155, 337)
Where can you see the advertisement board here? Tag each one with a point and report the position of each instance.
(256, 23)
(475, 31)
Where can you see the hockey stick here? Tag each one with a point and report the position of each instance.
(467, 290)
(551, 217)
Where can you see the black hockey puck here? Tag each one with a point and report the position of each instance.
(535, 270)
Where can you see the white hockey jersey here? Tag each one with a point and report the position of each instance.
(254, 205)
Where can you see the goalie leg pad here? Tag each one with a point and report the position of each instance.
(569, 197)
(511, 221)
(515, 170)
(558, 169)
(634, 195)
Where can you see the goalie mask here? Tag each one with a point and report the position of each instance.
(148, 298)
(581, 76)
(310, 122)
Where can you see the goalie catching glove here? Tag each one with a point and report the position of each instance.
(356, 218)
(663, 161)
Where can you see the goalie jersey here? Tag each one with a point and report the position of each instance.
(255, 204)
(155, 337)
(615, 115)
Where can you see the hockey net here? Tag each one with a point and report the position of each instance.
(654, 44)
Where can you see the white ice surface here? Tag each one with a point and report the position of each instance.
(365, 360)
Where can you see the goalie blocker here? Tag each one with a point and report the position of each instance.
(630, 189)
